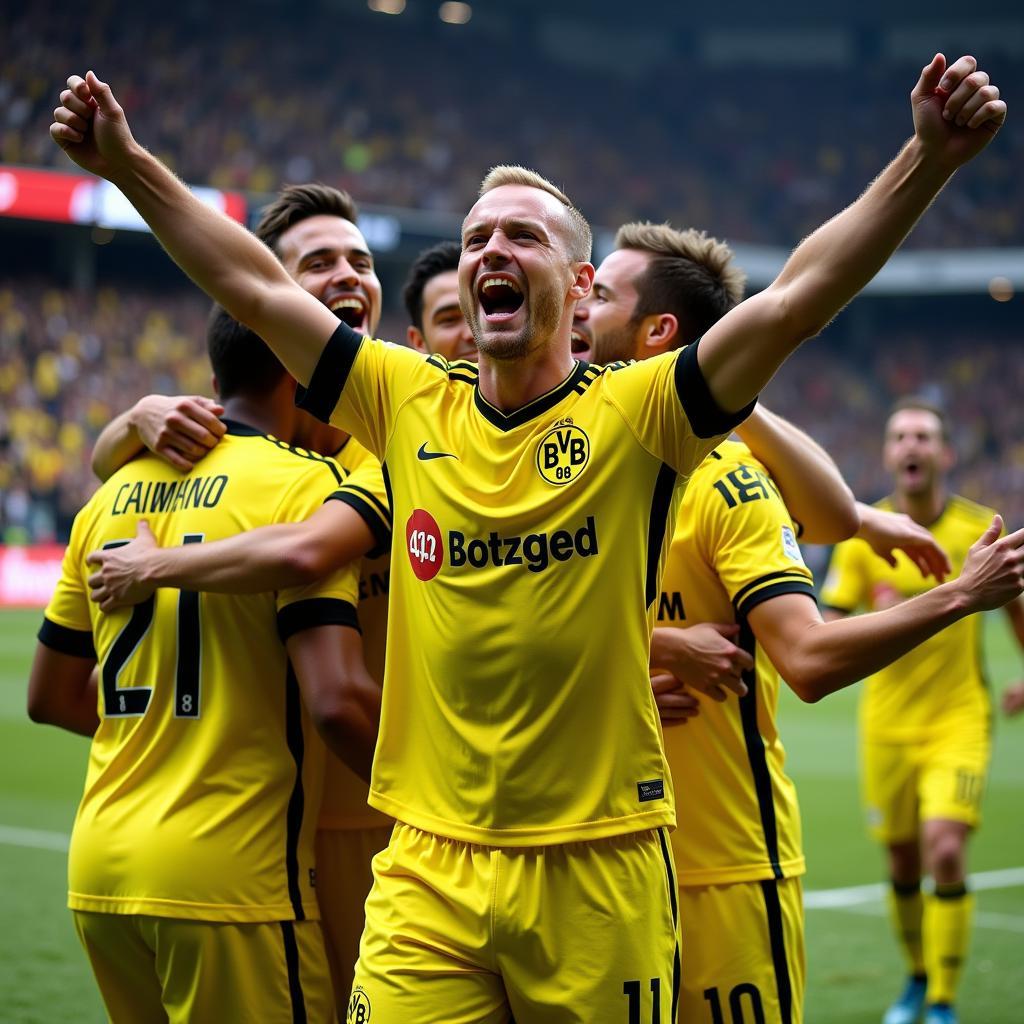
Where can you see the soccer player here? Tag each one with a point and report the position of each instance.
(431, 296)
(529, 873)
(191, 868)
(312, 229)
(733, 557)
(925, 720)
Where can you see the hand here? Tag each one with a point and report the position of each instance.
(90, 126)
(675, 705)
(957, 111)
(1013, 698)
(887, 532)
(180, 430)
(993, 573)
(120, 579)
(703, 657)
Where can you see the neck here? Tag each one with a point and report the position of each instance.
(509, 384)
(266, 416)
(923, 508)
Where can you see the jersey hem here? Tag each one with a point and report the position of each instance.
(760, 872)
(217, 912)
(545, 835)
(332, 823)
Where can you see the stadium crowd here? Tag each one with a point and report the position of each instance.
(70, 362)
(228, 107)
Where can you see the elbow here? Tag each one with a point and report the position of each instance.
(806, 683)
(798, 319)
(304, 564)
(847, 518)
(40, 710)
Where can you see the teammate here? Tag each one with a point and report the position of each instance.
(733, 557)
(431, 296)
(191, 868)
(925, 721)
(529, 872)
(312, 229)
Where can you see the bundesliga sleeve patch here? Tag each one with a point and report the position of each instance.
(790, 548)
(653, 790)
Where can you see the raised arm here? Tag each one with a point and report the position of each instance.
(956, 114)
(225, 260)
(812, 487)
(267, 558)
(180, 430)
(817, 658)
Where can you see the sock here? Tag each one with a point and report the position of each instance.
(906, 911)
(946, 931)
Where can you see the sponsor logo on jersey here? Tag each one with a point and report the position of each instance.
(563, 454)
(536, 552)
(651, 790)
(424, 456)
(790, 548)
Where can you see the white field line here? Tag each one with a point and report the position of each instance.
(34, 839)
(980, 918)
(857, 895)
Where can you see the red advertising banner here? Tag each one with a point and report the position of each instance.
(83, 199)
(28, 575)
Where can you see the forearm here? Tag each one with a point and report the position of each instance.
(837, 260)
(222, 257)
(118, 443)
(1015, 613)
(350, 733)
(829, 656)
(812, 487)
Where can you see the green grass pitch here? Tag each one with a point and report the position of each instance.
(853, 966)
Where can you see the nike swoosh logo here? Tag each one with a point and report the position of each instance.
(425, 456)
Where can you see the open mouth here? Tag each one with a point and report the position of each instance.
(350, 309)
(579, 342)
(500, 297)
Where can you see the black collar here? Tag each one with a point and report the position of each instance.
(511, 420)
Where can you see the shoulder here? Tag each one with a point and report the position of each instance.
(970, 512)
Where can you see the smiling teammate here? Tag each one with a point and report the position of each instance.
(529, 872)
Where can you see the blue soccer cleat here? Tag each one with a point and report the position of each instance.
(940, 1013)
(907, 1009)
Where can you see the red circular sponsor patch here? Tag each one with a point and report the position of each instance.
(423, 542)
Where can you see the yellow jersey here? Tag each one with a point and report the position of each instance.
(941, 681)
(344, 804)
(525, 567)
(204, 776)
(734, 546)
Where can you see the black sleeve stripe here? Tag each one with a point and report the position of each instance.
(330, 374)
(64, 640)
(383, 510)
(380, 528)
(706, 417)
(313, 612)
(780, 574)
(776, 590)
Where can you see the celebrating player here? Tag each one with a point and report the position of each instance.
(925, 720)
(191, 870)
(431, 296)
(529, 872)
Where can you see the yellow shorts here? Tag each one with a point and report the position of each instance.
(743, 953)
(343, 880)
(464, 934)
(905, 784)
(157, 969)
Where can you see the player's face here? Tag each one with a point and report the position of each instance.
(515, 274)
(605, 328)
(329, 257)
(445, 330)
(915, 452)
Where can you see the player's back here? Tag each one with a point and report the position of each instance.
(204, 776)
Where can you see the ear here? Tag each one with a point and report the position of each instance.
(216, 385)
(416, 340)
(659, 332)
(582, 282)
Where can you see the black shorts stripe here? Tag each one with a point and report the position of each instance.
(707, 418)
(330, 373)
(756, 755)
(291, 959)
(677, 966)
(297, 801)
(661, 503)
(777, 937)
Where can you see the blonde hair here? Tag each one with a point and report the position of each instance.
(580, 238)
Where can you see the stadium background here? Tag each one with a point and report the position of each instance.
(752, 123)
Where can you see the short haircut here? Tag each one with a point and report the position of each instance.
(438, 259)
(296, 203)
(922, 404)
(580, 239)
(242, 361)
(689, 275)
